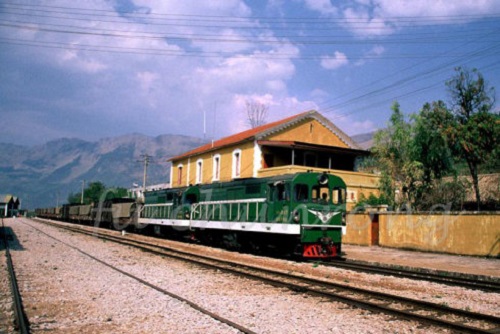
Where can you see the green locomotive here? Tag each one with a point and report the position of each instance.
(301, 213)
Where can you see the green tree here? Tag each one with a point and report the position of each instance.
(473, 134)
(430, 146)
(95, 192)
(91, 194)
(400, 173)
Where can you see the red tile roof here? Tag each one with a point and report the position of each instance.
(251, 134)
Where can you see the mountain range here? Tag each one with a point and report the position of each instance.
(44, 175)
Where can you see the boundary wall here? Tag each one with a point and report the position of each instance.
(475, 234)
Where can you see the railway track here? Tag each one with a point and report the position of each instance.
(410, 309)
(146, 283)
(21, 322)
(479, 283)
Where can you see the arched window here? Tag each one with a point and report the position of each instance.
(236, 169)
(199, 171)
(216, 168)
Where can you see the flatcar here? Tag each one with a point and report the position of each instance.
(301, 214)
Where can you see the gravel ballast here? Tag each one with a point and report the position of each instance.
(65, 291)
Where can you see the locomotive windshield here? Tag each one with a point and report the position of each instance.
(301, 192)
(339, 195)
(319, 194)
(280, 192)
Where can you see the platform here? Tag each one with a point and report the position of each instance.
(467, 265)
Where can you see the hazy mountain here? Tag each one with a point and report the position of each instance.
(44, 175)
(364, 140)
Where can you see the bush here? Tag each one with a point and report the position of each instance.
(451, 193)
(372, 200)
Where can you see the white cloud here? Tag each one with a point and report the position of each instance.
(426, 8)
(362, 23)
(325, 7)
(373, 53)
(319, 94)
(351, 125)
(236, 72)
(146, 80)
(81, 62)
(168, 93)
(377, 17)
(361, 127)
(377, 50)
(338, 59)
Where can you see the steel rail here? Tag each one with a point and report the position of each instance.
(479, 283)
(152, 286)
(21, 320)
(339, 292)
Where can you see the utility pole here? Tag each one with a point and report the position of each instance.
(146, 159)
(83, 186)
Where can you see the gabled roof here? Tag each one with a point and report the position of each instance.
(265, 130)
(6, 198)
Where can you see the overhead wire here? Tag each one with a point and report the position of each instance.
(250, 22)
(227, 18)
(257, 23)
(419, 76)
(210, 38)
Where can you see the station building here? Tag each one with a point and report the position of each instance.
(304, 142)
(9, 205)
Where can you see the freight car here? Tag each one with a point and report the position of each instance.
(301, 214)
(49, 213)
(116, 213)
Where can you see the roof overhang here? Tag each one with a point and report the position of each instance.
(312, 147)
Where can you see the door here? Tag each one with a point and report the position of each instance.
(279, 202)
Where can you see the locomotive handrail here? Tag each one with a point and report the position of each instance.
(207, 204)
(145, 206)
(229, 201)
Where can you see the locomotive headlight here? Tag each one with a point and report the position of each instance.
(186, 215)
(296, 216)
(323, 179)
(344, 223)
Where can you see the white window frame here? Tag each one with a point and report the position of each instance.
(199, 171)
(216, 167)
(236, 165)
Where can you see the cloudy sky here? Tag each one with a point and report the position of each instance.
(94, 69)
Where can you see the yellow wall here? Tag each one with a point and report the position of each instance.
(309, 132)
(463, 234)
(359, 230)
(226, 161)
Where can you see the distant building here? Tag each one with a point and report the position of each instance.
(9, 205)
(138, 192)
(307, 141)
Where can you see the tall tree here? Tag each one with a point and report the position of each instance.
(400, 173)
(474, 134)
(430, 146)
(256, 113)
(91, 194)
